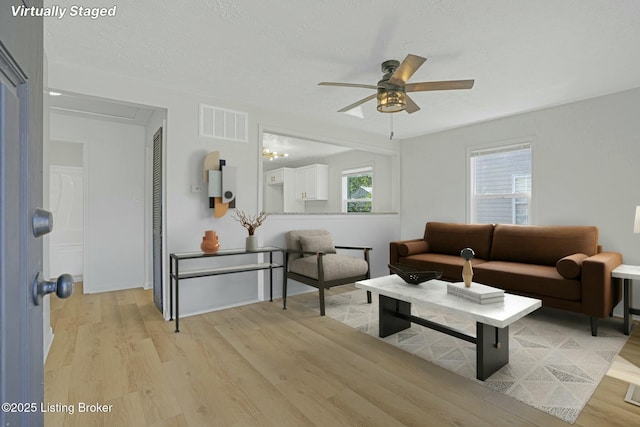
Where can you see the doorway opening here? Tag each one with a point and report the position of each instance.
(118, 139)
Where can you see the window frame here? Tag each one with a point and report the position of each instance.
(504, 146)
(516, 196)
(344, 176)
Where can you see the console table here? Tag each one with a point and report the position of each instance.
(176, 275)
(627, 273)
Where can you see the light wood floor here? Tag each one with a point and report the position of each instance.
(258, 365)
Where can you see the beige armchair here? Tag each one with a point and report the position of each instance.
(311, 258)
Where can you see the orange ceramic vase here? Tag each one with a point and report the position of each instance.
(210, 243)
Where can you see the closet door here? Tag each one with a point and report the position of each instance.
(157, 220)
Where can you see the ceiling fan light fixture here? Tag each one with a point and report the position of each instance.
(391, 100)
(393, 88)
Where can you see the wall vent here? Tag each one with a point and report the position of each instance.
(216, 122)
(633, 395)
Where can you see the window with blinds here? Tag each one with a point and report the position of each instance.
(500, 187)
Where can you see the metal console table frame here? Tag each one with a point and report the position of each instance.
(176, 275)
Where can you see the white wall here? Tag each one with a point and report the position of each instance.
(585, 169)
(114, 227)
(187, 213)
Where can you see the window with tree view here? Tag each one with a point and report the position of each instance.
(500, 184)
(357, 190)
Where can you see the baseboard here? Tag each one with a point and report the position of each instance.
(222, 307)
(120, 287)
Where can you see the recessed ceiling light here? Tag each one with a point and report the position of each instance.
(52, 93)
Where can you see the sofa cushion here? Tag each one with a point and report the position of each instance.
(410, 248)
(528, 279)
(321, 243)
(335, 266)
(449, 265)
(543, 245)
(450, 239)
(570, 266)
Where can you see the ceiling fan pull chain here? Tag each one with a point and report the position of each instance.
(390, 127)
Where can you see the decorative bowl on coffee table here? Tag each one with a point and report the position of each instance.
(412, 276)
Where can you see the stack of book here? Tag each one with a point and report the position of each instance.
(478, 293)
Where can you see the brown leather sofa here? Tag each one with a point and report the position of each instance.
(561, 265)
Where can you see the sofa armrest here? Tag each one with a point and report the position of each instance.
(395, 248)
(600, 293)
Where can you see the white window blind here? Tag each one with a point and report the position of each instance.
(500, 184)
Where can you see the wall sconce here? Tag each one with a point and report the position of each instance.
(636, 224)
(270, 155)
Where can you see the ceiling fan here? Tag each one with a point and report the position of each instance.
(391, 91)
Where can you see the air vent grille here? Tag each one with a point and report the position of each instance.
(216, 122)
(633, 395)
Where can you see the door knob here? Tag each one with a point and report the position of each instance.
(63, 287)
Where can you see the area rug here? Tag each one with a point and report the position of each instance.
(554, 364)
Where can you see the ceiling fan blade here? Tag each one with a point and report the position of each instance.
(348, 85)
(355, 104)
(406, 69)
(443, 85)
(411, 107)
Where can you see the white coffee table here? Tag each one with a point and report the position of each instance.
(492, 320)
(627, 273)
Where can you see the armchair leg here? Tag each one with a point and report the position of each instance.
(369, 297)
(321, 293)
(594, 326)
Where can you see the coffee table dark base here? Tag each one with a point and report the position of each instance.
(492, 343)
(628, 310)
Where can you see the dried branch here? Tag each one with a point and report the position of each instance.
(249, 222)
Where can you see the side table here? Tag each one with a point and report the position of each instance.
(627, 273)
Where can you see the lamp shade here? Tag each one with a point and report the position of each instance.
(636, 223)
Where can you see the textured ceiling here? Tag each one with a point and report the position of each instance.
(524, 55)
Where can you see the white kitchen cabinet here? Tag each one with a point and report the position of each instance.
(275, 176)
(312, 182)
(279, 195)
